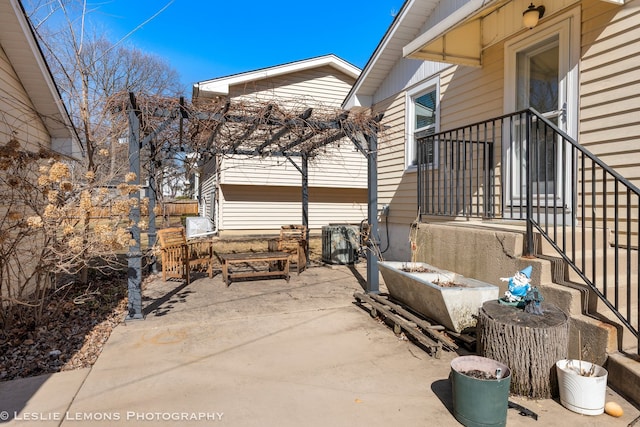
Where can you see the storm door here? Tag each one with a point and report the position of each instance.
(539, 76)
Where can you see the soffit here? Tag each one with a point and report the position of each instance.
(457, 39)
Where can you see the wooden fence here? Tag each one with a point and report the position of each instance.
(180, 207)
(175, 208)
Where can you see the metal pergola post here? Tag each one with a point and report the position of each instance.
(134, 256)
(151, 230)
(373, 280)
(305, 199)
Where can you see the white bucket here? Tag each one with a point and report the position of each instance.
(581, 393)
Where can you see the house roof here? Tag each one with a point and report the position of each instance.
(220, 85)
(403, 30)
(455, 37)
(19, 42)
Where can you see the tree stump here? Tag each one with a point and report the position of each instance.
(529, 344)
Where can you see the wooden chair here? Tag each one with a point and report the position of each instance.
(180, 255)
(293, 239)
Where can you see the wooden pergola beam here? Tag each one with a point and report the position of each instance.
(289, 124)
(218, 125)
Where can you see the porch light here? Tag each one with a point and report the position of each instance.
(531, 16)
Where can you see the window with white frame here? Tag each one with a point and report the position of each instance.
(422, 120)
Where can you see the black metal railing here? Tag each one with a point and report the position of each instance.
(522, 166)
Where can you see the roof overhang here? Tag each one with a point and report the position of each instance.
(220, 86)
(460, 37)
(457, 39)
(21, 47)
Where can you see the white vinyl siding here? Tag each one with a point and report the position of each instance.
(208, 198)
(251, 207)
(340, 166)
(266, 193)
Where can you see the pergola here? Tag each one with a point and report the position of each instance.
(248, 128)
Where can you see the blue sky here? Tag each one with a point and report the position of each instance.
(205, 39)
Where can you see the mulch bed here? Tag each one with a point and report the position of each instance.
(76, 323)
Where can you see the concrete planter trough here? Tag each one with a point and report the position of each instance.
(448, 298)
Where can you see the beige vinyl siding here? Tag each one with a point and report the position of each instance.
(610, 82)
(467, 95)
(396, 187)
(340, 166)
(19, 117)
(609, 124)
(470, 95)
(251, 207)
(322, 86)
(265, 193)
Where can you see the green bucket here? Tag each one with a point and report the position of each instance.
(480, 400)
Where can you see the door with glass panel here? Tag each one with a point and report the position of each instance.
(539, 84)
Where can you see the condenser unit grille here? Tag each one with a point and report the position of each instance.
(340, 243)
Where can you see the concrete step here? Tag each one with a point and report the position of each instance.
(603, 262)
(598, 338)
(624, 374)
(592, 305)
(571, 243)
(603, 339)
(595, 335)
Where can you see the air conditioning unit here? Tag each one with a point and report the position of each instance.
(340, 243)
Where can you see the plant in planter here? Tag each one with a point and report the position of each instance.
(582, 385)
(480, 388)
(446, 297)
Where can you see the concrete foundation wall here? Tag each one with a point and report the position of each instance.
(394, 242)
(485, 254)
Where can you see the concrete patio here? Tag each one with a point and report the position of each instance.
(260, 353)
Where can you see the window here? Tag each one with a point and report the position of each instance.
(423, 119)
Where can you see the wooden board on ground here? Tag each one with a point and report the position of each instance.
(431, 336)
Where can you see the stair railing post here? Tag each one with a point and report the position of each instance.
(528, 252)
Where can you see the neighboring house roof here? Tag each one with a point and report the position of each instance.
(220, 86)
(19, 42)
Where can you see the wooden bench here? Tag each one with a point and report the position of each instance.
(278, 265)
(180, 256)
(293, 240)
